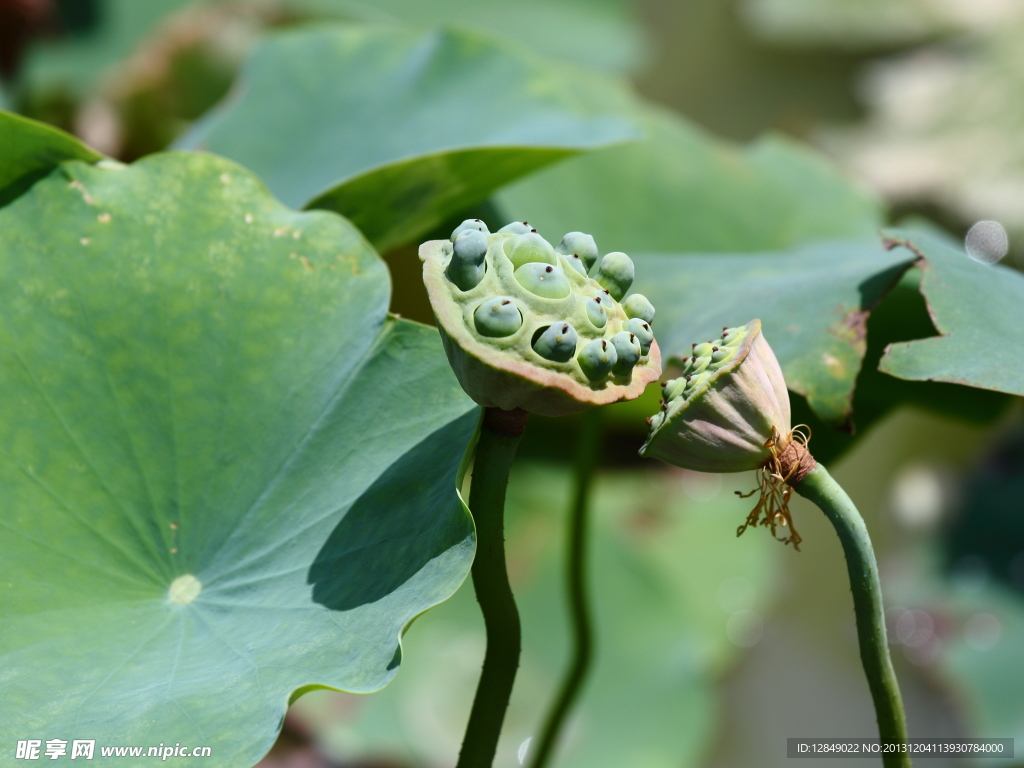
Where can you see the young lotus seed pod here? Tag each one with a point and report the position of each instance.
(498, 317)
(556, 342)
(596, 312)
(637, 305)
(724, 418)
(473, 224)
(581, 245)
(516, 228)
(544, 280)
(529, 247)
(615, 274)
(642, 330)
(526, 330)
(466, 269)
(597, 359)
(628, 352)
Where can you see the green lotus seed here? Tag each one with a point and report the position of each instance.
(596, 312)
(466, 268)
(576, 263)
(722, 354)
(517, 228)
(498, 317)
(597, 359)
(702, 350)
(581, 245)
(556, 342)
(615, 274)
(543, 280)
(530, 247)
(700, 365)
(674, 388)
(469, 224)
(642, 330)
(637, 305)
(627, 350)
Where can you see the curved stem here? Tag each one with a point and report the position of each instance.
(819, 487)
(496, 445)
(587, 445)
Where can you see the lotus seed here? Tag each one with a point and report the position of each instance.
(517, 228)
(627, 350)
(498, 317)
(543, 280)
(615, 274)
(581, 245)
(466, 268)
(642, 330)
(722, 355)
(530, 247)
(596, 312)
(556, 342)
(597, 359)
(473, 224)
(702, 350)
(637, 305)
(674, 388)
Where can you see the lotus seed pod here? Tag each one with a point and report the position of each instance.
(576, 263)
(637, 305)
(597, 359)
(556, 342)
(473, 224)
(642, 330)
(466, 269)
(581, 245)
(517, 228)
(525, 330)
(615, 274)
(725, 416)
(544, 280)
(628, 352)
(596, 312)
(531, 247)
(498, 317)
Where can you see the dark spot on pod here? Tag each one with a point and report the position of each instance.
(664, 406)
(526, 223)
(533, 230)
(714, 349)
(604, 344)
(724, 327)
(632, 337)
(694, 359)
(549, 269)
(647, 327)
(597, 299)
(506, 301)
(608, 292)
(480, 220)
(694, 345)
(648, 420)
(687, 378)
(664, 383)
(565, 329)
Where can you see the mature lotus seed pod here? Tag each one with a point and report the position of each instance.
(596, 312)
(544, 280)
(556, 342)
(466, 269)
(628, 352)
(637, 305)
(642, 330)
(498, 317)
(615, 274)
(473, 224)
(529, 331)
(597, 359)
(581, 245)
(729, 409)
(530, 247)
(516, 228)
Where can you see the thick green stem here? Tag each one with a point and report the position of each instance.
(500, 433)
(819, 487)
(576, 581)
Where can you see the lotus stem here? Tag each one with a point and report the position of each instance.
(819, 487)
(499, 437)
(587, 445)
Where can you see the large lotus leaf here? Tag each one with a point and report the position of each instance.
(30, 150)
(680, 190)
(976, 310)
(397, 130)
(676, 598)
(227, 473)
(813, 303)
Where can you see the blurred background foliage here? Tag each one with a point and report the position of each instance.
(770, 126)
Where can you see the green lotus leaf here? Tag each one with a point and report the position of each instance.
(970, 303)
(398, 130)
(30, 150)
(227, 474)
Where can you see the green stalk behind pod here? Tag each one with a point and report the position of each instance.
(500, 317)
